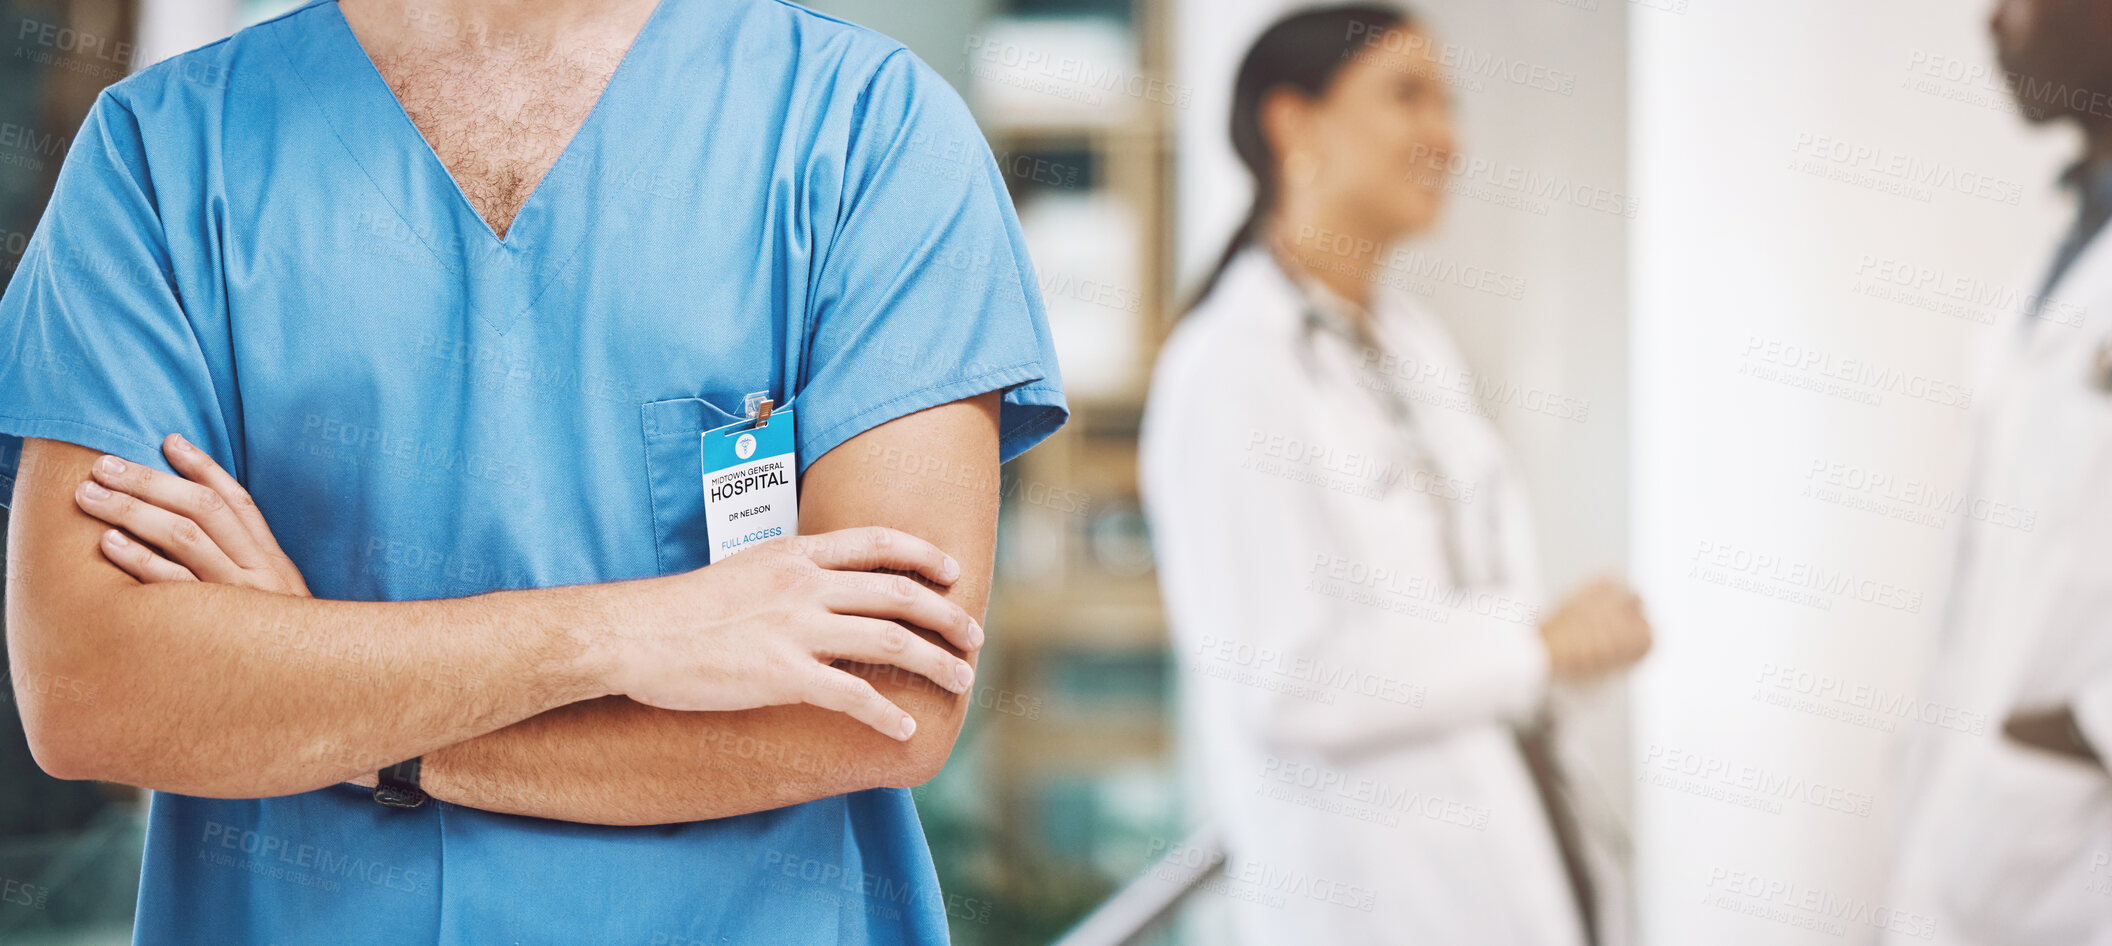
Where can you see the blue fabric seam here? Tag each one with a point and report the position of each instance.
(809, 327)
(47, 420)
(652, 502)
(65, 431)
(1025, 426)
(817, 14)
(328, 122)
(629, 54)
(1006, 377)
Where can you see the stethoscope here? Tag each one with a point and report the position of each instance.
(2093, 217)
(1536, 743)
(1316, 320)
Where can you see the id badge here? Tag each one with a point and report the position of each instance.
(751, 483)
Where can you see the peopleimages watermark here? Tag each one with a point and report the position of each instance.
(1418, 268)
(936, 478)
(1459, 388)
(413, 565)
(1826, 695)
(1747, 786)
(427, 460)
(1394, 589)
(108, 58)
(31, 146)
(828, 881)
(1893, 171)
(23, 893)
(1863, 380)
(1908, 499)
(117, 56)
(1362, 798)
(290, 860)
(1318, 677)
(1957, 80)
(1355, 473)
(1943, 291)
(1512, 185)
(1786, 579)
(1472, 64)
(2020, 92)
(1252, 879)
(1066, 77)
(497, 366)
(46, 684)
(1808, 907)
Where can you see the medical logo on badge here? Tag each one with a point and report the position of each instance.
(745, 446)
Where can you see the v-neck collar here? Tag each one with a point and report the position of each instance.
(503, 276)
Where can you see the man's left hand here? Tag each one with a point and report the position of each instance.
(201, 526)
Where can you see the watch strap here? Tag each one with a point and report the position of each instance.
(397, 785)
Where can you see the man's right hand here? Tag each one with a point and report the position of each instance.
(1598, 630)
(762, 628)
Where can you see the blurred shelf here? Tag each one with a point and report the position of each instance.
(1124, 135)
(1110, 626)
(1075, 749)
(1076, 617)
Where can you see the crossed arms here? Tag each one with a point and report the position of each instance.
(215, 689)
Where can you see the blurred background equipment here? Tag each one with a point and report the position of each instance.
(69, 851)
(1062, 787)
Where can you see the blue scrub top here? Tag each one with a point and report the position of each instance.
(251, 245)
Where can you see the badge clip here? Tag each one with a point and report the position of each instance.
(758, 405)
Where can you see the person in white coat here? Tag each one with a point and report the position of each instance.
(1344, 548)
(2007, 831)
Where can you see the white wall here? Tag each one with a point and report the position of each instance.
(937, 30)
(168, 27)
(1749, 245)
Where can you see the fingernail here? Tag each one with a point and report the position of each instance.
(975, 633)
(94, 490)
(952, 569)
(110, 464)
(909, 726)
(117, 538)
(965, 674)
(181, 444)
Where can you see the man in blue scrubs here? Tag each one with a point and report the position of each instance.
(385, 336)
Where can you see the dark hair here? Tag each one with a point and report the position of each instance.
(1303, 51)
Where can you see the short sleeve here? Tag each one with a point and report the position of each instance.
(101, 351)
(924, 294)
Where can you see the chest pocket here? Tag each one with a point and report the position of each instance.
(674, 466)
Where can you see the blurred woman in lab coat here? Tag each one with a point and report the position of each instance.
(1344, 548)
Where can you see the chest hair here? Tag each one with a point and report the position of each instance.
(499, 116)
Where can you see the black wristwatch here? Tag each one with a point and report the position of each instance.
(397, 786)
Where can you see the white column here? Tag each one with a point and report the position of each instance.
(1794, 161)
(168, 27)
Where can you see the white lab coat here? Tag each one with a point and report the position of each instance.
(2004, 845)
(1343, 708)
